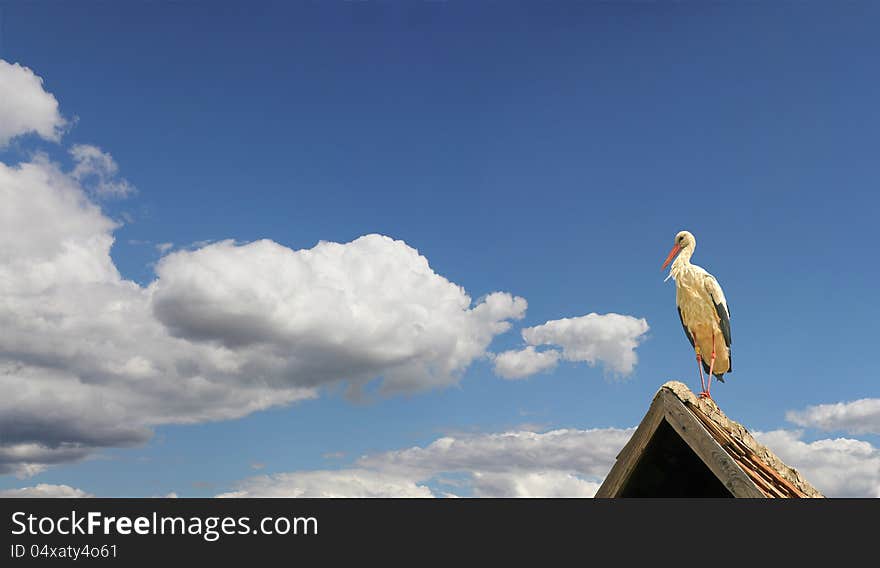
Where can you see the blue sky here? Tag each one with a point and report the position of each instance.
(551, 152)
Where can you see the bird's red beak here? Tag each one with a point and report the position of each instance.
(675, 250)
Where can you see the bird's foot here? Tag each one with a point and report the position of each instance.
(705, 394)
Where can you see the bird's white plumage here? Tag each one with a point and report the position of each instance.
(715, 291)
(697, 293)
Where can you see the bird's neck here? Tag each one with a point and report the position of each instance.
(682, 262)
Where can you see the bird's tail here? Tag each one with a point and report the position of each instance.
(720, 377)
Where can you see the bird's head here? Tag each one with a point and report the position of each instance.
(683, 240)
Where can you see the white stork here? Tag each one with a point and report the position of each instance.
(702, 310)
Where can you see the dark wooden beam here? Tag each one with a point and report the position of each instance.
(629, 456)
(704, 445)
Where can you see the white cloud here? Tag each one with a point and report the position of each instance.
(355, 312)
(97, 171)
(840, 467)
(588, 453)
(856, 417)
(524, 363)
(610, 339)
(164, 247)
(533, 484)
(560, 463)
(329, 483)
(27, 458)
(25, 107)
(90, 360)
(45, 490)
(50, 231)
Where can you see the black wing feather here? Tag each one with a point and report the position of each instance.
(724, 316)
(685, 328)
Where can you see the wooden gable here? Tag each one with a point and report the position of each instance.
(686, 447)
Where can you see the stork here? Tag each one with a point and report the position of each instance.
(702, 310)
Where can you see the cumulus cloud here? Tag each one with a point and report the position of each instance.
(97, 171)
(840, 467)
(856, 417)
(89, 359)
(586, 452)
(26, 459)
(559, 463)
(45, 490)
(83, 362)
(610, 339)
(525, 362)
(25, 107)
(329, 483)
(533, 484)
(356, 311)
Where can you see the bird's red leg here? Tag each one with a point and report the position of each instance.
(711, 369)
(700, 367)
